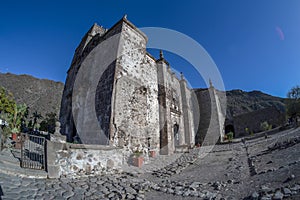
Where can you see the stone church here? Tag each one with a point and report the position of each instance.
(139, 102)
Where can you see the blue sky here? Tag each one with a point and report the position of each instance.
(255, 44)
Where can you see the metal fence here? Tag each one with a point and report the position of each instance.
(33, 151)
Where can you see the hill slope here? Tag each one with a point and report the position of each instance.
(240, 102)
(40, 95)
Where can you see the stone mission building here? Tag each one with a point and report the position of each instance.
(139, 101)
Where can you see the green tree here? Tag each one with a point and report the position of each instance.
(7, 102)
(48, 124)
(7, 109)
(16, 119)
(293, 102)
(36, 116)
(11, 112)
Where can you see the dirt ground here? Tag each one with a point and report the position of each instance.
(240, 169)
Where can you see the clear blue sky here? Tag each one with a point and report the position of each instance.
(255, 44)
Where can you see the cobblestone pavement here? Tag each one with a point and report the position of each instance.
(256, 169)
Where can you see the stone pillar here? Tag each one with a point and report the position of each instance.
(57, 142)
(166, 145)
(215, 131)
(185, 111)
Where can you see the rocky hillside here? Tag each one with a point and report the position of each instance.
(40, 95)
(240, 102)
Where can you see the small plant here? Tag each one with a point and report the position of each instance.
(230, 136)
(270, 127)
(137, 153)
(15, 130)
(75, 142)
(265, 126)
(247, 130)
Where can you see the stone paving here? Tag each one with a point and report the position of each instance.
(226, 172)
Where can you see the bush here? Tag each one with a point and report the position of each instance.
(293, 102)
(247, 130)
(48, 124)
(265, 126)
(230, 136)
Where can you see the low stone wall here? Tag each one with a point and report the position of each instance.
(65, 159)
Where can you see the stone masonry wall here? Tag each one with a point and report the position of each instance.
(77, 160)
(103, 99)
(174, 94)
(193, 109)
(66, 119)
(84, 101)
(135, 106)
(203, 96)
(212, 117)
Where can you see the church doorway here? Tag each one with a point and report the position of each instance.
(176, 134)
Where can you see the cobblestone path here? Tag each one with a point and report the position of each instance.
(223, 173)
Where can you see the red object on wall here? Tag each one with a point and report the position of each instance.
(138, 161)
(14, 136)
(152, 153)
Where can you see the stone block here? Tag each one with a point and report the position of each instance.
(51, 154)
(58, 138)
(53, 171)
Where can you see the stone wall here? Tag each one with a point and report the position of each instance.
(103, 100)
(190, 108)
(212, 116)
(193, 114)
(81, 52)
(76, 159)
(135, 106)
(82, 159)
(93, 69)
(174, 100)
(205, 108)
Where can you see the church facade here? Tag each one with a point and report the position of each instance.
(138, 101)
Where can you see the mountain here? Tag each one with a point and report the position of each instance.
(39, 95)
(241, 102)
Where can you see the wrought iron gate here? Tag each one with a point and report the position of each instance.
(33, 152)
